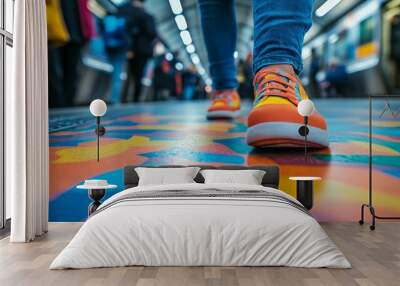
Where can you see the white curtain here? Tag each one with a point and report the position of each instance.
(27, 124)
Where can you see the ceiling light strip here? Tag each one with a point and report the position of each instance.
(326, 7)
(176, 6)
(181, 22)
(186, 38)
(182, 25)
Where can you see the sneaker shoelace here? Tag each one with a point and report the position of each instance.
(221, 96)
(271, 82)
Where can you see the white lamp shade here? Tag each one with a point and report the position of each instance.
(305, 107)
(98, 107)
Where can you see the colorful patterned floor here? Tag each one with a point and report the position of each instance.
(178, 133)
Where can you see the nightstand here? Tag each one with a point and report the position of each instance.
(96, 191)
(304, 190)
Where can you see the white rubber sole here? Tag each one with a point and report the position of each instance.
(285, 134)
(223, 114)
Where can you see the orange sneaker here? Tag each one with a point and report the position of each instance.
(274, 120)
(225, 104)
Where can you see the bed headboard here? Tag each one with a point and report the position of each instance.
(270, 179)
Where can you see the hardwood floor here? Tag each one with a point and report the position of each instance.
(375, 257)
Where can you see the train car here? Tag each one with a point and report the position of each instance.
(359, 55)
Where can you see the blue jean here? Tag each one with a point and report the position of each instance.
(279, 28)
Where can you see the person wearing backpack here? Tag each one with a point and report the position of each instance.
(116, 45)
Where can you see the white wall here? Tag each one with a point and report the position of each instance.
(9, 27)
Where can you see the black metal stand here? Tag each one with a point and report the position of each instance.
(369, 205)
(303, 131)
(100, 131)
(96, 195)
(305, 193)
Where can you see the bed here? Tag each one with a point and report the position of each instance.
(198, 224)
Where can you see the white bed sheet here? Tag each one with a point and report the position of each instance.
(200, 232)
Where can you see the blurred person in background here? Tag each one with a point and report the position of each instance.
(245, 78)
(70, 26)
(395, 45)
(176, 75)
(279, 29)
(241, 77)
(190, 82)
(163, 74)
(314, 69)
(116, 45)
(142, 34)
(336, 78)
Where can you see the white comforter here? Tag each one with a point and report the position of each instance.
(206, 231)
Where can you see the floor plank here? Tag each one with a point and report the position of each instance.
(375, 257)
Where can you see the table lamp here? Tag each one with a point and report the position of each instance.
(305, 108)
(98, 108)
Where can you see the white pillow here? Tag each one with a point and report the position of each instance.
(166, 176)
(247, 177)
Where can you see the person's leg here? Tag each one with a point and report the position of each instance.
(137, 66)
(71, 56)
(56, 98)
(188, 92)
(118, 60)
(279, 29)
(133, 72)
(138, 69)
(218, 22)
(127, 83)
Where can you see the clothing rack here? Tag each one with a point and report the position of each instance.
(370, 201)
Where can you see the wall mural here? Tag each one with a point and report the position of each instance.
(178, 133)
